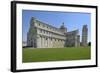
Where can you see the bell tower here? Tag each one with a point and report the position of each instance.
(84, 35)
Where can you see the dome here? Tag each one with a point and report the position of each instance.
(62, 26)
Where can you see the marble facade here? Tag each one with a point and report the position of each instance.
(42, 35)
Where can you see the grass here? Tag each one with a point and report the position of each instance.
(55, 54)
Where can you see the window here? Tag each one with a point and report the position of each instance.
(47, 32)
(41, 30)
(43, 25)
(44, 31)
(39, 24)
(46, 38)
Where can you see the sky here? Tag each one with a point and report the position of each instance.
(71, 20)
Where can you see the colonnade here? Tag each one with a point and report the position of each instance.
(48, 42)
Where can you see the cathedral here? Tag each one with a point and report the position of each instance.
(43, 35)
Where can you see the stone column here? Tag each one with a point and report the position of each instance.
(38, 41)
(42, 42)
(48, 43)
(51, 45)
(78, 40)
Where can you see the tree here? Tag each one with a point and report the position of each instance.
(89, 43)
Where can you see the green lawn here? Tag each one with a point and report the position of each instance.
(55, 54)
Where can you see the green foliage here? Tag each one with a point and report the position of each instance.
(89, 44)
(55, 54)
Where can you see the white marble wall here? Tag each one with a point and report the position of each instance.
(48, 36)
(46, 42)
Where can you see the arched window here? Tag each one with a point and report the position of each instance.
(41, 30)
(44, 31)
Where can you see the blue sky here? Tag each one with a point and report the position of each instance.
(72, 20)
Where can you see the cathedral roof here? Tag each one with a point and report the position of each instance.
(74, 32)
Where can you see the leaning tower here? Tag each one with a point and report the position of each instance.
(84, 35)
